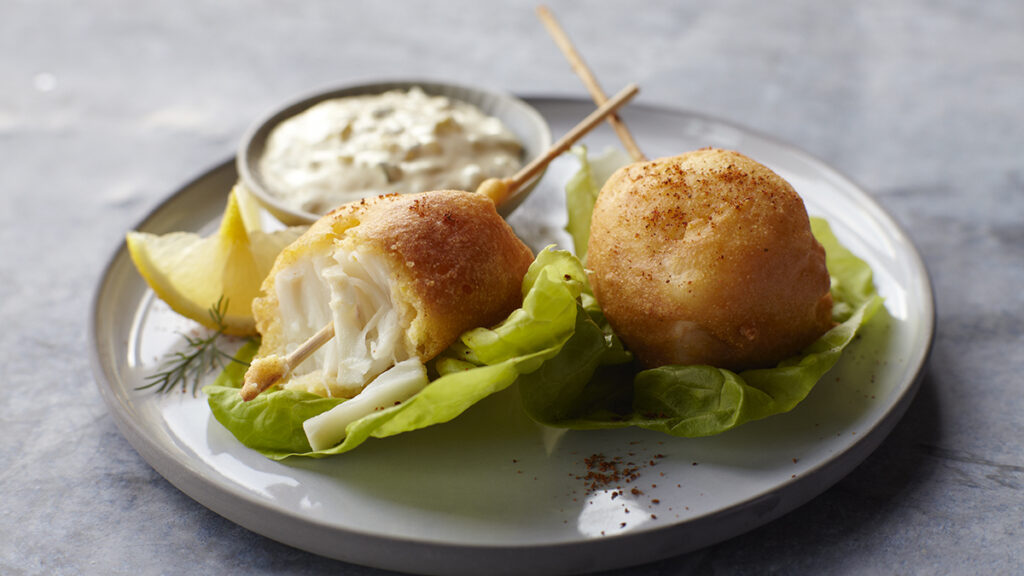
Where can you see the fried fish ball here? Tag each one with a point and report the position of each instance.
(400, 277)
(708, 258)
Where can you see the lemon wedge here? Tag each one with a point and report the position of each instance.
(191, 273)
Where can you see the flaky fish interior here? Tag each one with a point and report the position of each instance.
(352, 289)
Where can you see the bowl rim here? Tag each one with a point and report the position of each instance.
(255, 137)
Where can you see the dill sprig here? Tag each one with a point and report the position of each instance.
(201, 356)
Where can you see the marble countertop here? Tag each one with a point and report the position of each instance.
(107, 107)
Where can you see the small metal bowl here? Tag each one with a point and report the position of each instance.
(522, 119)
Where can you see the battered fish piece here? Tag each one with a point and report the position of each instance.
(400, 277)
(707, 258)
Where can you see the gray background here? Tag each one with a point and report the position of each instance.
(106, 107)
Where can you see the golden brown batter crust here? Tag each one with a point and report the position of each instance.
(708, 258)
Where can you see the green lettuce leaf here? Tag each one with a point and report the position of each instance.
(580, 389)
(484, 361)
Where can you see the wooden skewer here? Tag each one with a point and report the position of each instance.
(266, 371)
(501, 190)
(581, 69)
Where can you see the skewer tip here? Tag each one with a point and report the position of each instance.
(262, 374)
(496, 189)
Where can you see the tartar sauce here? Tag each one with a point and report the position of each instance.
(396, 142)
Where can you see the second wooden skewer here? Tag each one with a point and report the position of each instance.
(589, 80)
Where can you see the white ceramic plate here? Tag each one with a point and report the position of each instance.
(491, 492)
